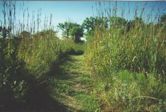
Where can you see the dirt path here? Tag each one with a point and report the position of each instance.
(72, 86)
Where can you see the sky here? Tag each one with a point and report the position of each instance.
(77, 11)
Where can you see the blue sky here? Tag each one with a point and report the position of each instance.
(77, 11)
(62, 11)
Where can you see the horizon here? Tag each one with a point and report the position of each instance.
(77, 11)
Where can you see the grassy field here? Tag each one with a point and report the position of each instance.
(120, 67)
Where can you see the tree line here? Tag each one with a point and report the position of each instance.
(75, 31)
(87, 28)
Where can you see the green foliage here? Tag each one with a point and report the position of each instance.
(38, 52)
(65, 27)
(76, 32)
(41, 50)
(89, 24)
(61, 87)
(127, 91)
(117, 22)
(138, 48)
(13, 82)
(89, 102)
(25, 34)
(73, 30)
(25, 62)
(127, 60)
(163, 19)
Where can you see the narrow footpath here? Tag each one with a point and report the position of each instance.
(73, 86)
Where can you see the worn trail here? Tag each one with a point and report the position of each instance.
(72, 85)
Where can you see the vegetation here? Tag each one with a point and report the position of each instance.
(89, 24)
(128, 62)
(74, 30)
(120, 68)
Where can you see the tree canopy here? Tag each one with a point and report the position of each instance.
(90, 23)
(65, 27)
(162, 19)
(71, 30)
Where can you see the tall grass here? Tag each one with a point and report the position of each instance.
(12, 79)
(39, 51)
(128, 61)
(26, 54)
(138, 50)
(42, 49)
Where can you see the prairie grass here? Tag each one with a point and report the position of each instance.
(39, 51)
(127, 61)
(26, 56)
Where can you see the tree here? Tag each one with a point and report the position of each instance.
(162, 19)
(89, 24)
(73, 30)
(76, 32)
(65, 27)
